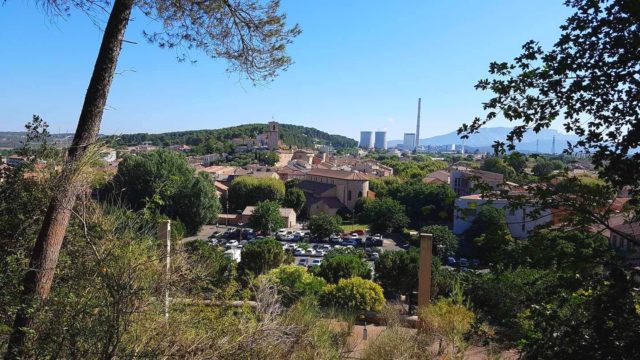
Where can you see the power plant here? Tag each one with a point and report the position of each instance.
(366, 139)
(417, 139)
(381, 140)
(409, 142)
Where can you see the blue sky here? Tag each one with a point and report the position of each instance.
(359, 65)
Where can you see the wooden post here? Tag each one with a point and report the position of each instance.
(424, 271)
(164, 234)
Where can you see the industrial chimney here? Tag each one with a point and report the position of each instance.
(417, 143)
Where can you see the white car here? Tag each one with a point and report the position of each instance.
(316, 262)
(299, 252)
(319, 253)
(355, 236)
(232, 243)
(303, 262)
(335, 237)
(310, 252)
(282, 231)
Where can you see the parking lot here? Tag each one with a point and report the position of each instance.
(306, 251)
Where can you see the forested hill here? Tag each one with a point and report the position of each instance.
(294, 135)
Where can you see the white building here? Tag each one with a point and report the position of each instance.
(521, 222)
(409, 142)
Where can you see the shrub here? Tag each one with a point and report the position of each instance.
(355, 294)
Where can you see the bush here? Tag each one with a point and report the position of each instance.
(323, 225)
(343, 266)
(355, 294)
(449, 321)
(294, 283)
(261, 256)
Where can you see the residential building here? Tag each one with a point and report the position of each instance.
(15, 160)
(521, 221)
(626, 248)
(287, 214)
(463, 180)
(437, 177)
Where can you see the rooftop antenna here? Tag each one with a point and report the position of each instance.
(418, 126)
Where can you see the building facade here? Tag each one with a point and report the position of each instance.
(273, 140)
(521, 221)
(329, 190)
(409, 142)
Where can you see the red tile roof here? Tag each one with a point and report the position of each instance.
(338, 174)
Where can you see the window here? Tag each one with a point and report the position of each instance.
(359, 194)
(349, 195)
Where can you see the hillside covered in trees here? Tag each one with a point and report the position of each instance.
(291, 135)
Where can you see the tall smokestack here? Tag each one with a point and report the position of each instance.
(418, 126)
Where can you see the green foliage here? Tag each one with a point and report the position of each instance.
(291, 135)
(586, 80)
(162, 182)
(294, 283)
(337, 266)
(517, 161)
(260, 256)
(266, 217)
(213, 271)
(600, 322)
(269, 158)
(323, 225)
(425, 203)
(355, 294)
(416, 169)
(196, 203)
(497, 165)
(572, 252)
(248, 191)
(501, 296)
(544, 166)
(294, 198)
(449, 321)
(490, 234)
(384, 215)
(445, 242)
(397, 271)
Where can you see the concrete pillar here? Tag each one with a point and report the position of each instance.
(424, 271)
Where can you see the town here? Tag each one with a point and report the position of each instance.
(319, 213)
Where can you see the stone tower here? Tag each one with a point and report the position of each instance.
(273, 136)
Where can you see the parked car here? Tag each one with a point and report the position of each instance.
(215, 234)
(451, 261)
(309, 252)
(319, 253)
(232, 243)
(475, 263)
(464, 262)
(299, 252)
(316, 262)
(335, 238)
(374, 256)
(349, 242)
(303, 262)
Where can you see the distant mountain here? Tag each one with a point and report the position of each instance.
(294, 135)
(14, 139)
(486, 136)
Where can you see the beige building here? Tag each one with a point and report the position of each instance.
(287, 214)
(329, 190)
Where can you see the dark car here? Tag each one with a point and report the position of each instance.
(464, 262)
(451, 261)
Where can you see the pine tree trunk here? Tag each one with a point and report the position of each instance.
(44, 258)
